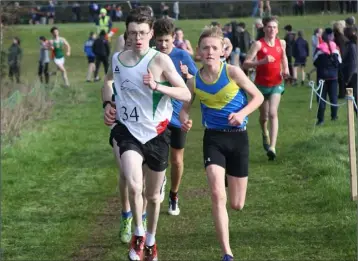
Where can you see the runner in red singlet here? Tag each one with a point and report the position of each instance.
(271, 67)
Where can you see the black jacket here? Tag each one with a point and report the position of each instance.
(101, 47)
(290, 41)
(349, 63)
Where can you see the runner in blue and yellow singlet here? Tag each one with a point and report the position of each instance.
(221, 89)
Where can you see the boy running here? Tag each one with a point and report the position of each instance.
(57, 44)
(143, 111)
(271, 56)
(221, 89)
(164, 34)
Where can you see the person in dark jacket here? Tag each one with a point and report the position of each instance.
(290, 40)
(259, 29)
(340, 40)
(300, 52)
(44, 60)
(14, 59)
(244, 42)
(102, 51)
(350, 63)
(91, 57)
(327, 59)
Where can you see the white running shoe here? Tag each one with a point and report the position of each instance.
(174, 207)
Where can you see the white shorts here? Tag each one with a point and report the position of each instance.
(59, 61)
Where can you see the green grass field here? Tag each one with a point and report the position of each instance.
(59, 180)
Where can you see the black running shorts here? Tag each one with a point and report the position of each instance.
(229, 150)
(155, 152)
(177, 138)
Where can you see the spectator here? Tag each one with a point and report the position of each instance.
(326, 6)
(341, 41)
(176, 10)
(119, 13)
(300, 52)
(76, 11)
(265, 6)
(255, 7)
(93, 11)
(316, 39)
(182, 43)
(50, 12)
(14, 59)
(327, 60)
(165, 10)
(350, 21)
(227, 30)
(104, 22)
(91, 57)
(42, 12)
(290, 41)
(299, 7)
(44, 60)
(34, 16)
(135, 4)
(243, 41)
(349, 63)
(102, 51)
(112, 12)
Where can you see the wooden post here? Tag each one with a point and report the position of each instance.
(352, 145)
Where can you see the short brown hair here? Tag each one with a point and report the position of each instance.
(163, 27)
(269, 19)
(141, 15)
(211, 31)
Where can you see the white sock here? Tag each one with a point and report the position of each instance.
(150, 239)
(139, 231)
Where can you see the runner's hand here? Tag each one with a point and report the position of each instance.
(186, 125)
(286, 74)
(68, 53)
(148, 79)
(269, 59)
(236, 119)
(184, 69)
(109, 115)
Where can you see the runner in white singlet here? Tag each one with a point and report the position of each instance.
(143, 110)
(125, 224)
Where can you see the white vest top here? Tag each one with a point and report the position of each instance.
(146, 113)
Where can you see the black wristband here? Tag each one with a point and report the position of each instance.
(105, 104)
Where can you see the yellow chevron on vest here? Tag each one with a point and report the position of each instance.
(223, 96)
(104, 23)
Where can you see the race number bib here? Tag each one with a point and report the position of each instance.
(128, 113)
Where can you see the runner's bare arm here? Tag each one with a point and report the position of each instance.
(180, 92)
(250, 57)
(107, 90)
(249, 87)
(68, 47)
(184, 112)
(284, 60)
